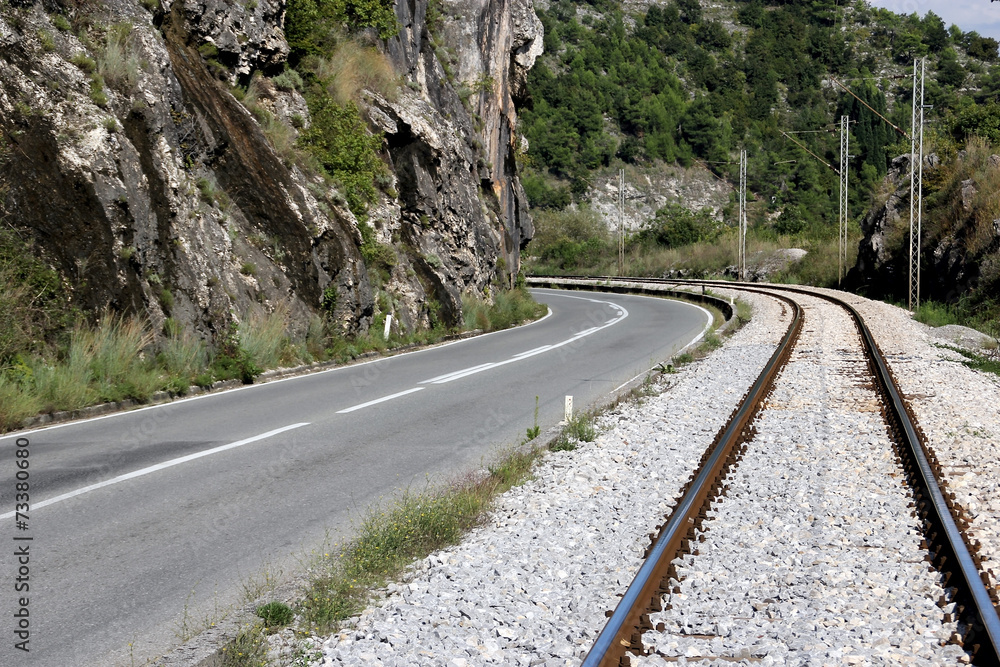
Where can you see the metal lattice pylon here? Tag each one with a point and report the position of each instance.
(916, 186)
(621, 222)
(741, 250)
(842, 235)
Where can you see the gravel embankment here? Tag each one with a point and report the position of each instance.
(958, 410)
(532, 586)
(813, 557)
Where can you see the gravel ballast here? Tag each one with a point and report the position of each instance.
(531, 587)
(813, 557)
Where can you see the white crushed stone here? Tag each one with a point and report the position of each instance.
(957, 408)
(813, 557)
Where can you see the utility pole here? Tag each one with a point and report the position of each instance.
(916, 186)
(844, 156)
(741, 252)
(621, 222)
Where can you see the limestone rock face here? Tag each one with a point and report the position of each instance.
(468, 64)
(650, 189)
(247, 35)
(156, 191)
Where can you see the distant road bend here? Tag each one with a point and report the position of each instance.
(140, 517)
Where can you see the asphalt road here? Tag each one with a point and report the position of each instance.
(136, 517)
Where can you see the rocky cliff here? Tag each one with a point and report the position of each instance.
(136, 171)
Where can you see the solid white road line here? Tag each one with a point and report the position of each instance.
(379, 400)
(155, 468)
(465, 372)
(708, 325)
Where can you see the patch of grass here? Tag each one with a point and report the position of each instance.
(118, 61)
(353, 67)
(288, 80)
(184, 358)
(744, 311)
(579, 429)
(275, 614)
(264, 337)
(935, 314)
(248, 269)
(97, 94)
(84, 62)
(977, 361)
(508, 308)
(16, 405)
(533, 431)
(210, 193)
(393, 535)
(61, 23)
(249, 649)
(46, 40)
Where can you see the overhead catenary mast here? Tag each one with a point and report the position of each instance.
(621, 222)
(741, 252)
(916, 185)
(842, 234)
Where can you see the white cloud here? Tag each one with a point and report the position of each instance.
(982, 16)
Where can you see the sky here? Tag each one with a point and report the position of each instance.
(982, 16)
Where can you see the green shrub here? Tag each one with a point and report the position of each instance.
(570, 239)
(60, 22)
(208, 50)
(97, 94)
(84, 62)
(675, 226)
(47, 42)
(340, 142)
(275, 614)
(34, 307)
(288, 80)
(311, 26)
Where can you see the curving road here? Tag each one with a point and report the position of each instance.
(136, 516)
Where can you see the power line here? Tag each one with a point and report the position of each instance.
(850, 92)
(802, 146)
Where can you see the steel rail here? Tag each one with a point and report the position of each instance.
(971, 588)
(620, 631)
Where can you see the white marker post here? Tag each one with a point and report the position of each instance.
(388, 325)
(569, 409)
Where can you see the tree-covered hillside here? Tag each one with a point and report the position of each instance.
(682, 82)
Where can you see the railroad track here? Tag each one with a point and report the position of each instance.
(781, 436)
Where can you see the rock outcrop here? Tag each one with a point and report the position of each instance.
(152, 189)
(955, 247)
(649, 189)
